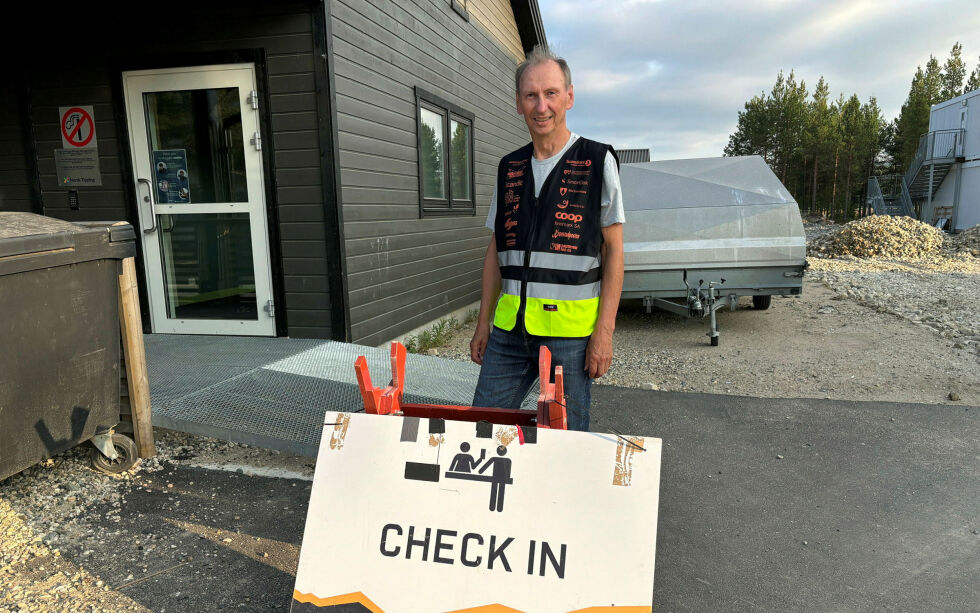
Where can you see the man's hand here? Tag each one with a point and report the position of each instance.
(599, 353)
(479, 343)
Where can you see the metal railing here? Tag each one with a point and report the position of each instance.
(889, 195)
(936, 145)
(875, 198)
(906, 200)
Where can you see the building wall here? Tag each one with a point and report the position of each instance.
(285, 34)
(403, 270)
(946, 116)
(15, 177)
(969, 213)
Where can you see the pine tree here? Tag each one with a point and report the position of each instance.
(973, 83)
(819, 138)
(751, 135)
(953, 73)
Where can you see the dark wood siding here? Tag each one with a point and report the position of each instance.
(15, 176)
(284, 33)
(404, 271)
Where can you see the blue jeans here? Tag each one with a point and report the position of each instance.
(510, 368)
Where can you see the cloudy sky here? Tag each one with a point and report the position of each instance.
(672, 75)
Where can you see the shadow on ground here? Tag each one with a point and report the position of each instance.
(766, 504)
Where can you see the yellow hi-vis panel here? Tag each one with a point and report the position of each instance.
(549, 317)
(505, 316)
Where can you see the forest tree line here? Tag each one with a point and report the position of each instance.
(824, 149)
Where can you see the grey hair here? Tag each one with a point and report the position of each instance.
(539, 55)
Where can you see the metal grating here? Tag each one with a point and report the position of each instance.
(273, 392)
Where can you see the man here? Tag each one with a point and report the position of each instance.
(553, 272)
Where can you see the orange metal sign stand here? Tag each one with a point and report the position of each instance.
(551, 400)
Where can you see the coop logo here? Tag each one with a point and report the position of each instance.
(569, 216)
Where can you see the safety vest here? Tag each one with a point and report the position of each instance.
(548, 247)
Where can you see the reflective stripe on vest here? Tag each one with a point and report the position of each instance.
(557, 261)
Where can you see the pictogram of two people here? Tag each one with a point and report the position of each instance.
(499, 477)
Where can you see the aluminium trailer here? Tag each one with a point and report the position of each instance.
(701, 233)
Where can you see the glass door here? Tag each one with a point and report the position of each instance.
(194, 137)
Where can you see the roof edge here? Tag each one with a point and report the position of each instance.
(527, 14)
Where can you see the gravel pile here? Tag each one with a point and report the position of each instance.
(879, 236)
(967, 241)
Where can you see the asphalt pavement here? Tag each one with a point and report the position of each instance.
(765, 505)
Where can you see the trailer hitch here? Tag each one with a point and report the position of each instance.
(701, 301)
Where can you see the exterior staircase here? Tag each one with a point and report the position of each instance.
(938, 151)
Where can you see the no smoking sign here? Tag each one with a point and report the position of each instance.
(78, 127)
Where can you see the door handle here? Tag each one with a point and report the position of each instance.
(149, 198)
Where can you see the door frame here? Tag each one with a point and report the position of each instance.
(263, 223)
(257, 58)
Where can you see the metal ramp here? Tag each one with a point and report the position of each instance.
(273, 392)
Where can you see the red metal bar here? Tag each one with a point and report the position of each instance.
(377, 401)
(507, 417)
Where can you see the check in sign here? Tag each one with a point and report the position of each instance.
(428, 515)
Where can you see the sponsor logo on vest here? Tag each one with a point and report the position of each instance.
(511, 242)
(569, 216)
(577, 172)
(577, 191)
(550, 307)
(562, 204)
(514, 184)
(563, 248)
(562, 190)
(517, 163)
(560, 234)
(511, 198)
(510, 224)
(575, 181)
(565, 224)
(580, 162)
(514, 174)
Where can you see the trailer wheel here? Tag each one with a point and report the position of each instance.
(761, 303)
(128, 456)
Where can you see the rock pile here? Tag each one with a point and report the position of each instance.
(879, 236)
(967, 241)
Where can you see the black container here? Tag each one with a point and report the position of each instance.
(59, 334)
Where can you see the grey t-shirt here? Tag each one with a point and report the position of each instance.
(612, 193)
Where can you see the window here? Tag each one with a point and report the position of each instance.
(460, 7)
(445, 143)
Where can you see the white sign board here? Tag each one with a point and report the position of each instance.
(410, 514)
(78, 127)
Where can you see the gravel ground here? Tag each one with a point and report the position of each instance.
(902, 330)
(62, 509)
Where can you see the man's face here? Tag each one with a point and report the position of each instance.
(544, 98)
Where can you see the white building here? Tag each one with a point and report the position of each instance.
(948, 162)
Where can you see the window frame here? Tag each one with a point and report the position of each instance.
(448, 206)
(460, 7)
